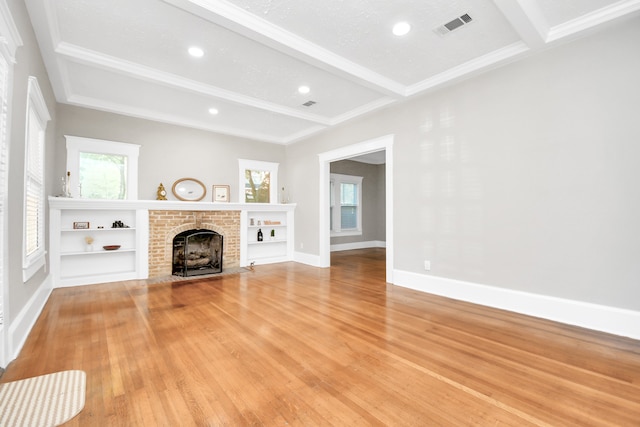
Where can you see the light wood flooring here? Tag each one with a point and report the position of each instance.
(288, 344)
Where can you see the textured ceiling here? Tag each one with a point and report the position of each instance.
(130, 57)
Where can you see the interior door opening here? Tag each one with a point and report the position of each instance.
(383, 144)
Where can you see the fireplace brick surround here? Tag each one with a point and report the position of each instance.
(164, 225)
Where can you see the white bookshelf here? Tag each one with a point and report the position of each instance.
(74, 262)
(266, 217)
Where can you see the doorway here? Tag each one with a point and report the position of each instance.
(383, 143)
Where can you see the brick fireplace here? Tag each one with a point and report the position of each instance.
(164, 225)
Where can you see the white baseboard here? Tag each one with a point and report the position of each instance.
(602, 318)
(358, 245)
(303, 258)
(21, 327)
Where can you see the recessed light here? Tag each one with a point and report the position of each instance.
(213, 111)
(401, 28)
(304, 89)
(196, 52)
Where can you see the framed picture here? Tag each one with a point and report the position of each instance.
(80, 225)
(220, 193)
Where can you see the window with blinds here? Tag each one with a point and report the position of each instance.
(34, 194)
(34, 201)
(4, 149)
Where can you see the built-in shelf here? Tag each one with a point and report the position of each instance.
(73, 264)
(269, 241)
(266, 218)
(95, 252)
(84, 230)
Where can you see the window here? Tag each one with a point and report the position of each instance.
(4, 108)
(10, 41)
(36, 124)
(345, 201)
(258, 182)
(102, 169)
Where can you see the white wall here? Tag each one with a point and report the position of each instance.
(524, 178)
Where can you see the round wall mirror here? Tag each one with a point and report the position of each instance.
(189, 189)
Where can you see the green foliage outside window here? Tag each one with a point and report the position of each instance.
(103, 176)
(257, 186)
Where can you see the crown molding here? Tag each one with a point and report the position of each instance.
(364, 109)
(357, 112)
(593, 19)
(299, 136)
(47, 31)
(143, 113)
(470, 68)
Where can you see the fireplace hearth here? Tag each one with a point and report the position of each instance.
(197, 252)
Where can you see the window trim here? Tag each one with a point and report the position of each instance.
(335, 179)
(271, 167)
(11, 41)
(36, 104)
(78, 144)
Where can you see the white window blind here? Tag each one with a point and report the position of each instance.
(4, 167)
(34, 196)
(36, 124)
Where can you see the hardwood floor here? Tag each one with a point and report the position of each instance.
(289, 344)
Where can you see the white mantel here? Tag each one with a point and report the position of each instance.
(72, 203)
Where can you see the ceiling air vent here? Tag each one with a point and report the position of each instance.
(453, 25)
(309, 103)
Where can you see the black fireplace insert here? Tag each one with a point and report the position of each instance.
(197, 252)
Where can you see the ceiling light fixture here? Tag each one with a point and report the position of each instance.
(401, 28)
(196, 52)
(213, 111)
(304, 89)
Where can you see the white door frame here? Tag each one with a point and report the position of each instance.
(369, 146)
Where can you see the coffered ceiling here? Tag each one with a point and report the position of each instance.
(131, 56)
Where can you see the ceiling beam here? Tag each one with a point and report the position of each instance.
(527, 20)
(234, 18)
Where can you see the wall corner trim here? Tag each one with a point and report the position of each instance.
(308, 259)
(597, 317)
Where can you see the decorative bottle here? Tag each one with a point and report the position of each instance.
(259, 235)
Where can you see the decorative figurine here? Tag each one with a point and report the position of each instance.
(161, 194)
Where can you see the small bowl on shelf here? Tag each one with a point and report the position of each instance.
(111, 247)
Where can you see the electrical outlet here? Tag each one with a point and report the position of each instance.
(427, 265)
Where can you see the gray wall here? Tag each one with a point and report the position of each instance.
(373, 206)
(525, 177)
(28, 63)
(167, 152)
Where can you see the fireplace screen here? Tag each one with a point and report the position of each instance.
(197, 252)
